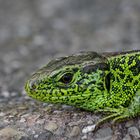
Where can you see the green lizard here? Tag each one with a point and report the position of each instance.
(98, 82)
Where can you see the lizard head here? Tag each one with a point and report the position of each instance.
(72, 80)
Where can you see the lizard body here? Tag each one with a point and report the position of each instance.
(98, 82)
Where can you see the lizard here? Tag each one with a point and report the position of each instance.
(99, 82)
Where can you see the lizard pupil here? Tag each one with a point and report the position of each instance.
(66, 78)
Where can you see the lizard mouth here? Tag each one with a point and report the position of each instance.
(27, 89)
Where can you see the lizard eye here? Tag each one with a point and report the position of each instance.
(32, 85)
(66, 78)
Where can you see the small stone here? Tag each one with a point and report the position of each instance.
(2, 114)
(75, 131)
(133, 131)
(46, 136)
(129, 123)
(40, 121)
(139, 124)
(31, 120)
(10, 116)
(90, 122)
(6, 94)
(10, 133)
(6, 121)
(75, 123)
(51, 126)
(127, 137)
(25, 138)
(22, 120)
(62, 130)
(36, 136)
(105, 138)
(88, 128)
(48, 109)
(67, 107)
(84, 137)
(104, 134)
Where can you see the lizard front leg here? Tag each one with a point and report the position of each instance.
(122, 113)
(132, 110)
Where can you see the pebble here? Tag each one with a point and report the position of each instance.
(90, 122)
(31, 120)
(88, 128)
(129, 123)
(6, 94)
(138, 124)
(51, 126)
(40, 121)
(127, 137)
(2, 114)
(22, 120)
(46, 136)
(105, 138)
(75, 123)
(61, 130)
(133, 131)
(75, 131)
(67, 107)
(84, 137)
(11, 134)
(104, 134)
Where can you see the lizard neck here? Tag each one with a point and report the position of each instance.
(124, 78)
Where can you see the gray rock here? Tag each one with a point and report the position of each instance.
(84, 137)
(129, 123)
(104, 134)
(51, 126)
(75, 131)
(11, 134)
(46, 136)
(127, 137)
(133, 131)
(105, 138)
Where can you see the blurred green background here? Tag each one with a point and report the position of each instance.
(34, 31)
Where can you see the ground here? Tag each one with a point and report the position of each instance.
(36, 31)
